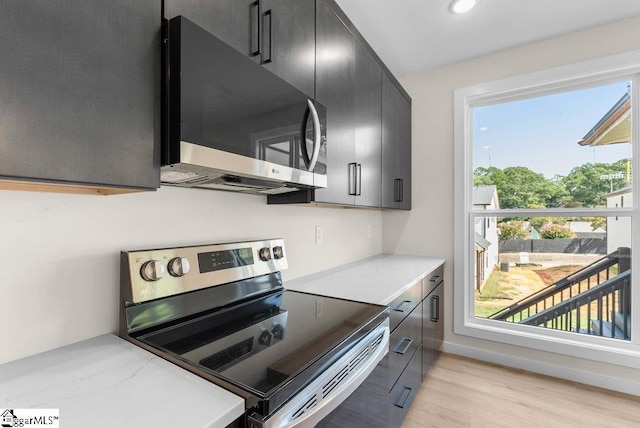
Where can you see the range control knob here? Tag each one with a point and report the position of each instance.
(265, 254)
(278, 252)
(278, 331)
(179, 266)
(266, 338)
(152, 270)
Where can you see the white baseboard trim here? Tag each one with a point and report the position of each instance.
(627, 386)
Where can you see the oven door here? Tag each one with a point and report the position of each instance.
(221, 100)
(326, 392)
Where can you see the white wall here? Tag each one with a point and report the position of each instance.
(428, 228)
(60, 253)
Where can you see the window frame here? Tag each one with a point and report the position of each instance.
(556, 80)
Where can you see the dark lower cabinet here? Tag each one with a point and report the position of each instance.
(396, 147)
(405, 390)
(415, 341)
(80, 94)
(279, 34)
(432, 318)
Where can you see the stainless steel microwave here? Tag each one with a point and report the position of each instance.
(230, 124)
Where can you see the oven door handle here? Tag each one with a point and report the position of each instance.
(298, 412)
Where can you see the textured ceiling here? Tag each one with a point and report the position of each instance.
(415, 35)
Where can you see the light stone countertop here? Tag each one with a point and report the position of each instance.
(378, 279)
(107, 381)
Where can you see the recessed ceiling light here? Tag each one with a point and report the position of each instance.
(462, 6)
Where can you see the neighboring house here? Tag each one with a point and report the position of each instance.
(486, 236)
(615, 128)
(619, 228)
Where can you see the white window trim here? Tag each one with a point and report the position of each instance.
(585, 74)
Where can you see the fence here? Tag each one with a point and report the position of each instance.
(564, 245)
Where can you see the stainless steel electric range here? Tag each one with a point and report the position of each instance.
(221, 312)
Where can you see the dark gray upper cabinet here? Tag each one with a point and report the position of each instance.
(396, 147)
(348, 83)
(368, 120)
(80, 92)
(279, 34)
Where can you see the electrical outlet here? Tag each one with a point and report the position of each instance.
(319, 235)
(369, 231)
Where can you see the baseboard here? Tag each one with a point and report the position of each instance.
(627, 386)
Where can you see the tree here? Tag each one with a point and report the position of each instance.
(512, 230)
(556, 231)
(586, 186)
(519, 187)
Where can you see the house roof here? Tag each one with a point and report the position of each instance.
(481, 242)
(483, 195)
(613, 128)
(622, 191)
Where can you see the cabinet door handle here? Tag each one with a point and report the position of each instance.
(401, 190)
(435, 308)
(268, 14)
(352, 179)
(407, 341)
(397, 190)
(404, 397)
(255, 35)
(358, 179)
(434, 278)
(402, 306)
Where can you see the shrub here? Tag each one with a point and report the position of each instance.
(512, 230)
(556, 231)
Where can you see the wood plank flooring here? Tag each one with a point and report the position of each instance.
(460, 392)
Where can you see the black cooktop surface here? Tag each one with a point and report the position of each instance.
(262, 344)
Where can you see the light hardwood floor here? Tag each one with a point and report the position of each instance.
(460, 392)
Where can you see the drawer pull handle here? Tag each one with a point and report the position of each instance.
(435, 308)
(435, 278)
(404, 397)
(408, 342)
(402, 306)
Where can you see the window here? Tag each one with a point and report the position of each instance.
(544, 164)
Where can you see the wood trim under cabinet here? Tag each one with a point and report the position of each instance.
(64, 188)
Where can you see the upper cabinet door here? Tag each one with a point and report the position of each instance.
(279, 34)
(288, 45)
(396, 147)
(80, 92)
(348, 83)
(336, 89)
(368, 129)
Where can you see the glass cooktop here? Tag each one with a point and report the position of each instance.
(263, 343)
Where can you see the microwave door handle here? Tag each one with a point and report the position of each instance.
(303, 138)
(316, 136)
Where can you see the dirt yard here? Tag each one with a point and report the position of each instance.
(505, 288)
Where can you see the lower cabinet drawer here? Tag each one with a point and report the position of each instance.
(404, 391)
(404, 341)
(402, 305)
(432, 280)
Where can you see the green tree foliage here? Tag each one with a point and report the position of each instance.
(512, 230)
(587, 186)
(519, 187)
(556, 231)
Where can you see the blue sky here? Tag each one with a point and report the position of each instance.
(542, 133)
